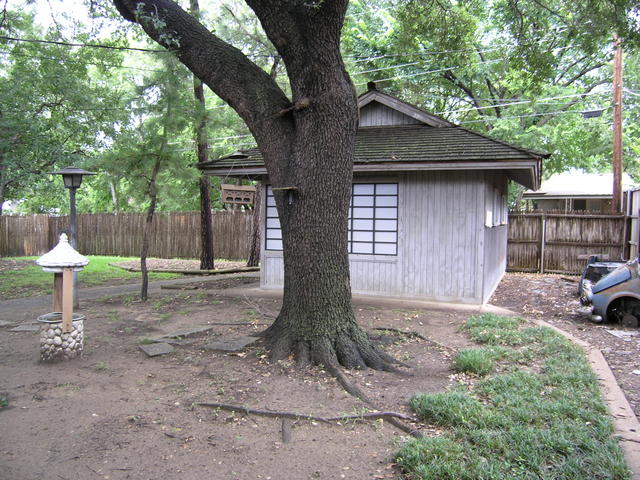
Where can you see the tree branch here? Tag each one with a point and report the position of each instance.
(391, 417)
(544, 120)
(226, 70)
(583, 72)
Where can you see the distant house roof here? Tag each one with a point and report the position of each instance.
(577, 184)
(427, 143)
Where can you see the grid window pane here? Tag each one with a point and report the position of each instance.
(362, 212)
(386, 249)
(362, 225)
(272, 212)
(274, 244)
(386, 237)
(273, 223)
(363, 236)
(386, 201)
(373, 220)
(363, 188)
(362, 201)
(387, 189)
(274, 233)
(386, 225)
(386, 213)
(362, 247)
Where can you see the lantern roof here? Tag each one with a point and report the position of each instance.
(63, 255)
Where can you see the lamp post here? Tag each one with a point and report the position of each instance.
(72, 178)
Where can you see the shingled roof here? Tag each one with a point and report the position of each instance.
(410, 147)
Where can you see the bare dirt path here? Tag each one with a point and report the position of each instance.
(117, 414)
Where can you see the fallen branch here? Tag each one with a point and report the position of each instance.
(190, 272)
(179, 287)
(301, 416)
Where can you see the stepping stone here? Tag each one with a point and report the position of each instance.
(185, 332)
(26, 327)
(155, 349)
(230, 344)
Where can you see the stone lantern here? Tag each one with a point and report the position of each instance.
(62, 330)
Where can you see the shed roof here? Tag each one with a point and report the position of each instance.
(433, 144)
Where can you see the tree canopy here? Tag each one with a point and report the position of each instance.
(522, 71)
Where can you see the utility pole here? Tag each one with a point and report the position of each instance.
(616, 201)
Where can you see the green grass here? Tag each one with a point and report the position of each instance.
(31, 280)
(479, 361)
(540, 417)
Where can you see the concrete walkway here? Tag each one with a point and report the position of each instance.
(23, 309)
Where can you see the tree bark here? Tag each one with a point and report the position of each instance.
(254, 251)
(153, 196)
(307, 144)
(200, 131)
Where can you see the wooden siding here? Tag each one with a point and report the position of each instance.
(441, 243)
(376, 114)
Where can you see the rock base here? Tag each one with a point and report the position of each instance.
(55, 345)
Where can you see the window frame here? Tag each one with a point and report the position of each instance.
(273, 235)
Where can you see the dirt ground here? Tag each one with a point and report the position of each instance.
(554, 298)
(118, 414)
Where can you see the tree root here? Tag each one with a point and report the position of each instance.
(402, 332)
(349, 348)
(391, 417)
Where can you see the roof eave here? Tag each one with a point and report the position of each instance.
(525, 172)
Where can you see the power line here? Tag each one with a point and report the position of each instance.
(84, 45)
(520, 102)
(97, 64)
(445, 69)
(558, 112)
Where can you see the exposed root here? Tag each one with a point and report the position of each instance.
(402, 332)
(391, 417)
(351, 388)
(349, 348)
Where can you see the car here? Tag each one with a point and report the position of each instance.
(616, 296)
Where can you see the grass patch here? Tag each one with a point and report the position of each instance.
(479, 361)
(541, 420)
(32, 281)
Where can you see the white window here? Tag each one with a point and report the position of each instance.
(373, 220)
(496, 209)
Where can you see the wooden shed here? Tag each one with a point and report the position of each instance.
(428, 215)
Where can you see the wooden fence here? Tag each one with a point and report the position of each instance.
(560, 242)
(173, 235)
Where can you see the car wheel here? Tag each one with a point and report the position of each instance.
(625, 311)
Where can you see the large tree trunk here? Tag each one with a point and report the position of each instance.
(254, 249)
(307, 144)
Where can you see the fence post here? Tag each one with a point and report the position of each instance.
(543, 237)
